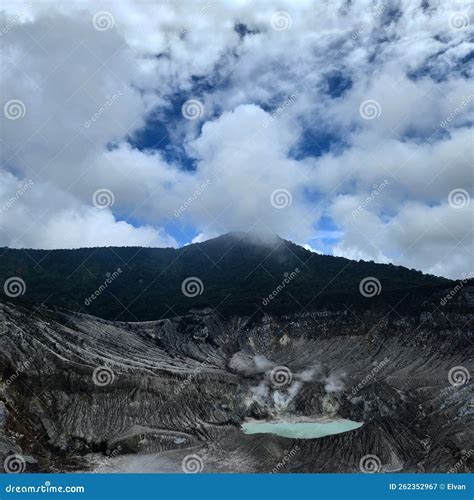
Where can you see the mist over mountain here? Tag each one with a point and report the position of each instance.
(236, 273)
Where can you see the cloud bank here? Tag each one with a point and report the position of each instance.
(190, 120)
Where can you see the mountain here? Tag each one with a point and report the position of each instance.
(236, 273)
(382, 349)
(82, 393)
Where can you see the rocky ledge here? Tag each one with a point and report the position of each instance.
(82, 393)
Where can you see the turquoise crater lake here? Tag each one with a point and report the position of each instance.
(301, 430)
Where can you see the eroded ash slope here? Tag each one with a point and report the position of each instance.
(83, 393)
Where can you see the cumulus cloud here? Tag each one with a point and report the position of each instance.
(38, 215)
(301, 121)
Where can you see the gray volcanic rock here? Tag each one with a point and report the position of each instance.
(82, 393)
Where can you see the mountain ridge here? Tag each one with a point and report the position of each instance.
(235, 273)
(241, 236)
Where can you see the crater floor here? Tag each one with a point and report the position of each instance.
(81, 393)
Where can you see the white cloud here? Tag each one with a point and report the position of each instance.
(42, 216)
(85, 90)
(307, 246)
(439, 237)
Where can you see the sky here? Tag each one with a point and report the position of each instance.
(343, 126)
